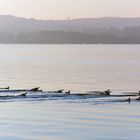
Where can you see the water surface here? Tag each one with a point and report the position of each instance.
(79, 68)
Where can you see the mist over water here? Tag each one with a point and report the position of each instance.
(79, 68)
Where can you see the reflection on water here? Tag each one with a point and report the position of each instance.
(80, 69)
(67, 119)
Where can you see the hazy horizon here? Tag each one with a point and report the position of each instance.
(68, 18)
(63, 9)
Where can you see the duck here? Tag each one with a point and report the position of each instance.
(68, 92)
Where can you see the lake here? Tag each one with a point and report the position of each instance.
(79, 68)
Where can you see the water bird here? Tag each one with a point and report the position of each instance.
(23, 94)
(68, 92)
(60, 91)
(107, 92)
(6, 88)
(138, 98)
(129, 100)
(36, 89)
(139, 93)
(13, 96)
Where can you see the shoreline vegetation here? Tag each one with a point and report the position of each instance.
(63, 37)
(108, 30)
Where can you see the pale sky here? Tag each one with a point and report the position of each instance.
(61, 9)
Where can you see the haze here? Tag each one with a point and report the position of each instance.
(61, 9)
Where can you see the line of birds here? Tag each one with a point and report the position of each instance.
(36, 89)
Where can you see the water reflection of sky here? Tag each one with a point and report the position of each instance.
(84, 55)
(80, 69)
(68, 119)
(75, 67)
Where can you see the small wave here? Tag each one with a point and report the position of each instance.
(72, 98)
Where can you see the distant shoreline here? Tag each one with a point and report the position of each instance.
(109, 36)
(107, 30)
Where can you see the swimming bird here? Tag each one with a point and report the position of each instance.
(107, 92)
(129, 100)
(68, 92)
(23, 94)
(6, 88)
(35, 89)
(60, 91)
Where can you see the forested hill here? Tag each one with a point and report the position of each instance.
(76, 31)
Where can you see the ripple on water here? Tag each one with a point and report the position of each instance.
(68, 119)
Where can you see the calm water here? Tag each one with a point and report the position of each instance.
(79, 68)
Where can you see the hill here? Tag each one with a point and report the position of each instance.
(106, 30)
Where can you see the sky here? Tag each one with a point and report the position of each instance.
(62, 9)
